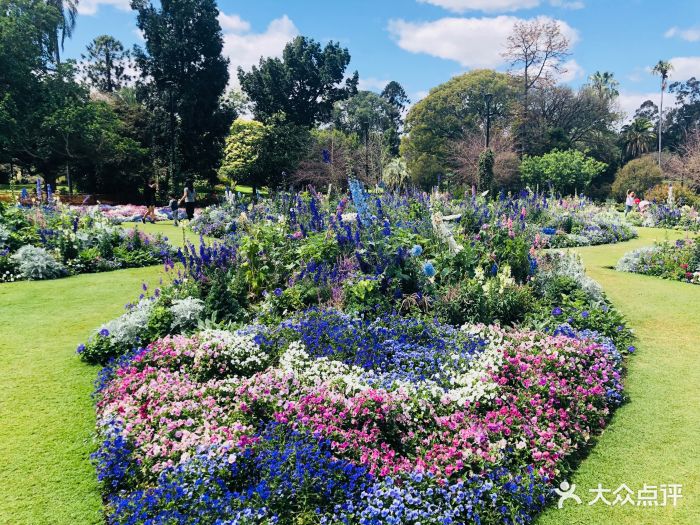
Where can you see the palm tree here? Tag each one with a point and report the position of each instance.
(604, 84)
(637, 137)
(662, 68)
(68, 9)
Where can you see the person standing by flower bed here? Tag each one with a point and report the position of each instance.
(149, 196)
(189, 197)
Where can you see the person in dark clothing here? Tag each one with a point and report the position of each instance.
(189, 197)
(149, 196)
(174, 205)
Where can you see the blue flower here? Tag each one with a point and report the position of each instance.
(557, 311)
(429, 269)
(416, 250)
(278, 292)
(81, 348)
(585, 314)
(631, 349)
(104, 332)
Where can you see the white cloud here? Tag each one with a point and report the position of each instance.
(372, 84)
(233, 23)
(573, 71)
(564, 4)
(90, 7)
(490, 6)
(472, 42)
(629, 102)
(499, 6)
(691, 34)
(685, 67)
(244, 48)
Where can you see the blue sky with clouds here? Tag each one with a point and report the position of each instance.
(421, 43)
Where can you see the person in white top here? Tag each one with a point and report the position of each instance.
(629, 202)
(189, 196)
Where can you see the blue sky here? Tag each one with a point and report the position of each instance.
(422, 43)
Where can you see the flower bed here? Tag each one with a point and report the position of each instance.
(377, 363)
(660, 215)
(678, 261)
(327, 418)
(47, 243)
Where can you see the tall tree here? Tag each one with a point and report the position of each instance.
(106, 63)
(450, 111)
(183, 78)
(397, 98)
(303, 85)
(604, 84)
(662, 68)
(68, 10)
(536, 50)
(370, 117)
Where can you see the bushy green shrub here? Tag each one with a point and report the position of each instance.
(638, 175)
(566, 171)
(681, 194)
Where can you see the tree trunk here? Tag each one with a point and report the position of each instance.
(661, 116)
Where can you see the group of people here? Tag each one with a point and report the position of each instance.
(189, 197)
(632, 202)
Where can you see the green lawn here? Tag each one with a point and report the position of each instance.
(46, 413)
(47, 416)
(167, 228)
(655, 438)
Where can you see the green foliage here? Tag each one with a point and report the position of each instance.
(184, 76)
(478, 301)
(682, 195)
(159, 322)
(563, 171)
(303, 85)
(105, 64)
(395, 174)
(263, 154)
(446, 114)
(638, 175)
(486, 163)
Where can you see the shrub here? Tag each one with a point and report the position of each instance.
(638, 175)
(36, 264)
(682, 195)
(566, 171)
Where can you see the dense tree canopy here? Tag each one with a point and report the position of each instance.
(183, 79)
(447, 113)
(562, 171)
(303, 85)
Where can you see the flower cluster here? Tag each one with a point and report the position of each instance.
(338, 417)
(54, 241)
(678, 261)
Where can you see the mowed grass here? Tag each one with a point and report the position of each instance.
(177, 235)
(655, 438)
(46, 412)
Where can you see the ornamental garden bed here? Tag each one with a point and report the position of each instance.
(677, 261)
(356, 362)
(48, 242)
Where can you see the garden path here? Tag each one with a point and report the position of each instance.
(655, 438)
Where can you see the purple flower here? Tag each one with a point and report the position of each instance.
(81, 348)
(557, 311)
(631, 349)
(585, 314)
(104, 332)
(278, 292)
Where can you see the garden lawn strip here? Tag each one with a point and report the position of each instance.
(654, 438)
(46, 412)
(167, 228)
